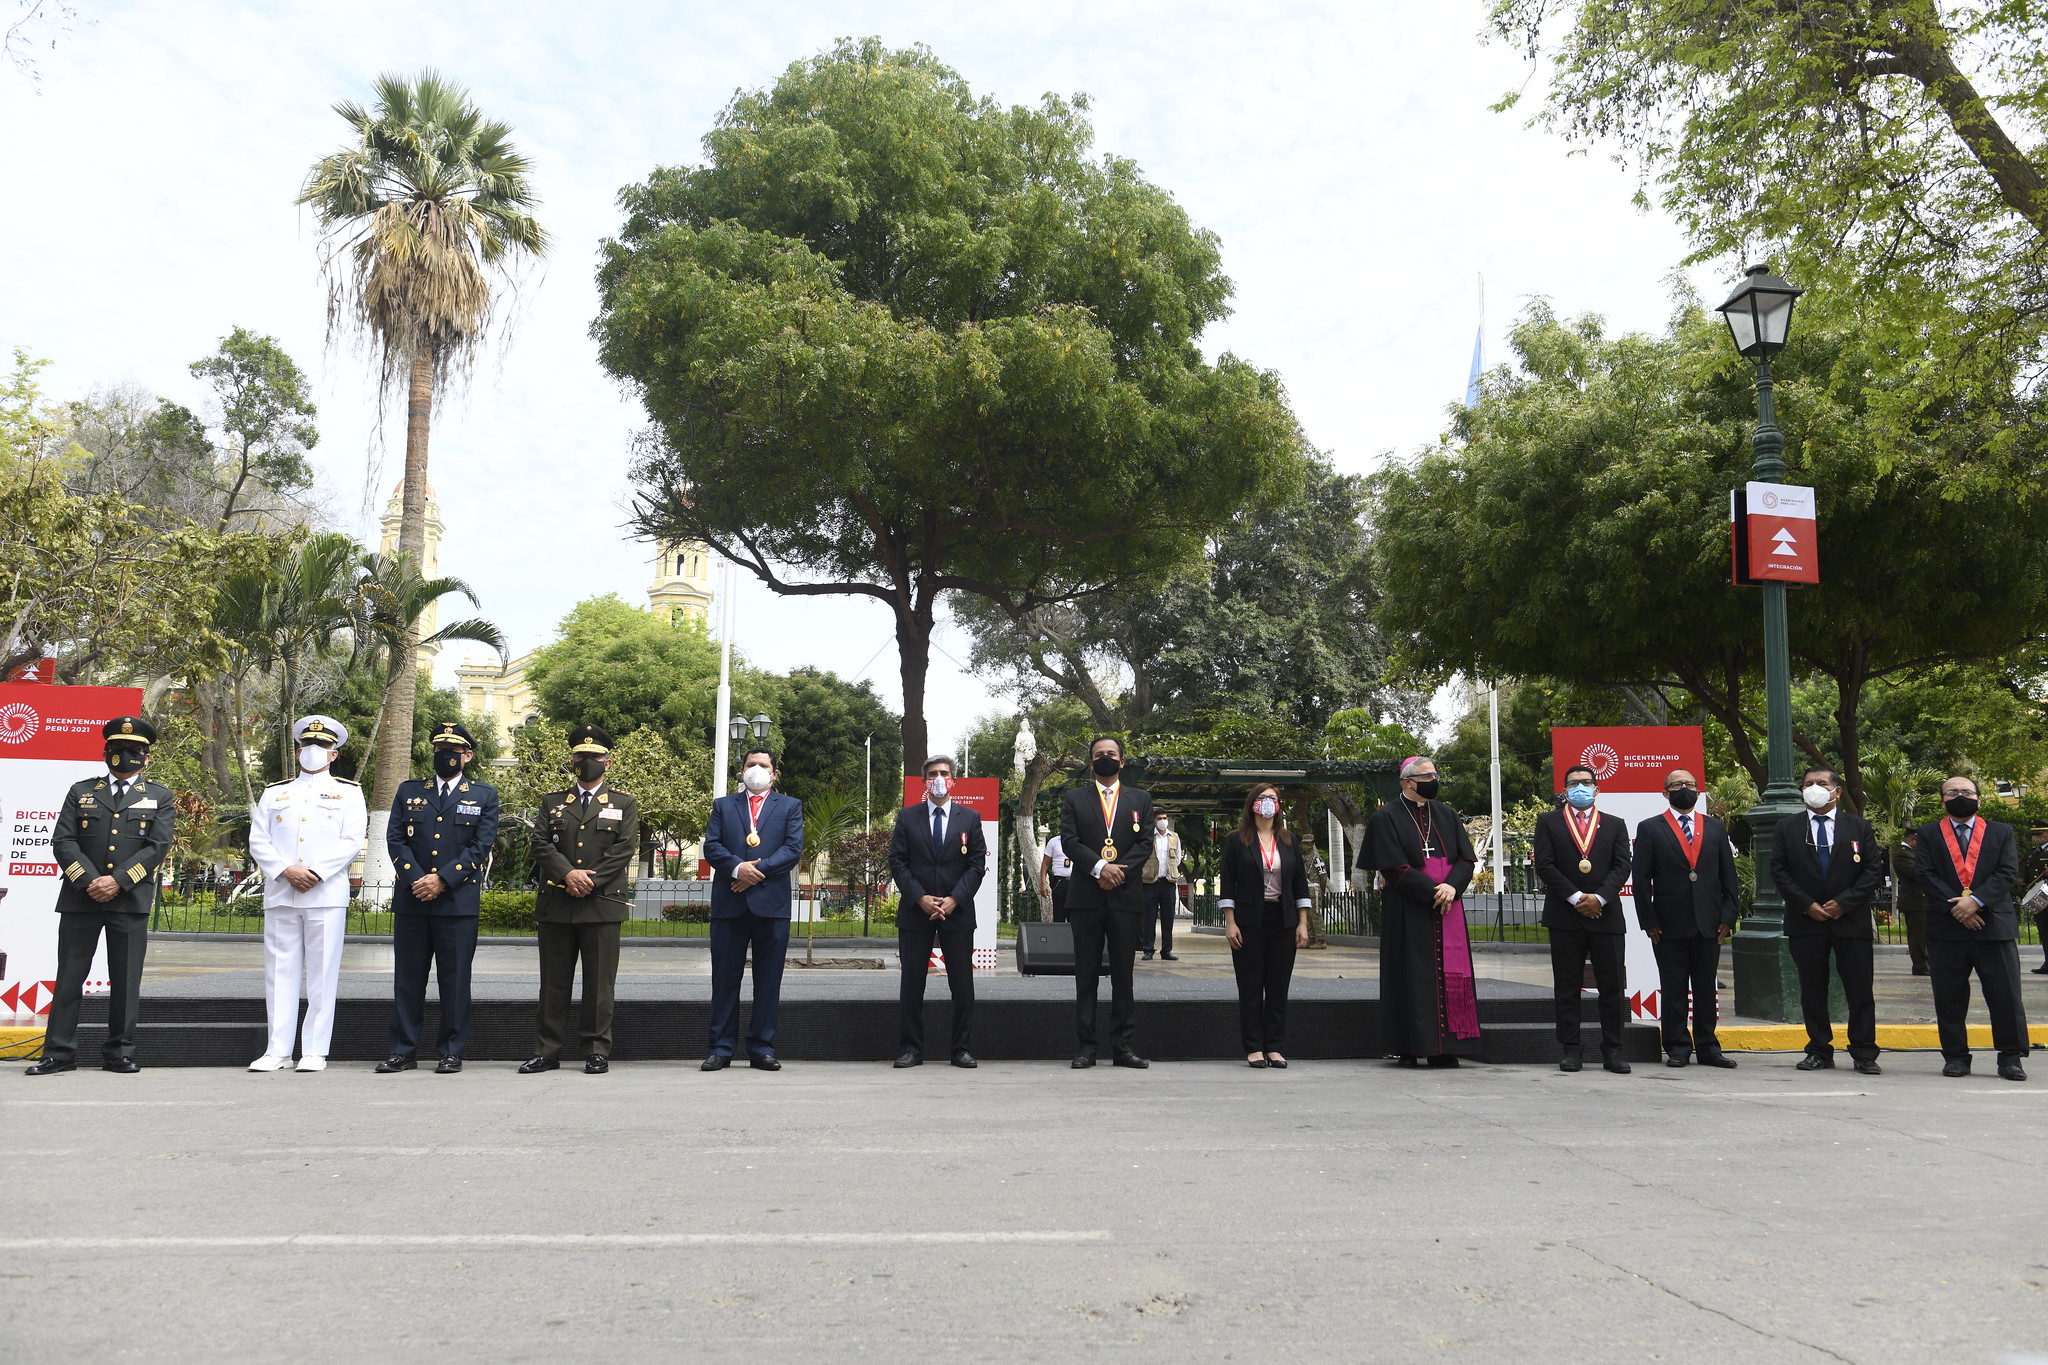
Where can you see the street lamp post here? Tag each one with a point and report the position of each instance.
(1759, 316)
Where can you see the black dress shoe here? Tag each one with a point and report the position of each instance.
(448, 1066)
(1169, 957)
(1443, 1061)
(1869, 1067)
(596, 1064)
(1128, 1058)
(1405, 1060)
(1148, 954)
(2011, 1071)
(1922, 971)
(2041, 970)
(1678, 1059)
(909, 1058)
(965, 1060)
(49, 1066)
(121, 1066)
(1277, 1063)
(1613, 1062)
(534, 1065)
(1082, 1061)
(397, 1061)
(1722, 1060)
(765, 1062)
(1956, 1066)
(1815, 1062)
(717, 1061)
(1571, 1061)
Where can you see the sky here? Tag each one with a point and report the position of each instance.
(1344, 153)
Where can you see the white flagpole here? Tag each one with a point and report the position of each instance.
(1500, 843)
(720, 753)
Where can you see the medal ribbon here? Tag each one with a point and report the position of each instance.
(1691, 846)
(1966, 866)
(1269, 852)
(1585, 843)
(754, 804)
(1107, 796)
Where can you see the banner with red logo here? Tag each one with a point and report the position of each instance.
(1775, 535)
(983, 796)
(49, 739)
(1630, 762)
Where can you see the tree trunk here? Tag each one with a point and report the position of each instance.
(394, 726)
(394, 721)
(1035, 772)
(914, 656)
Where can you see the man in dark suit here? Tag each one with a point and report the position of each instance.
(753, 842)
(110, 838)
(1827, 866)
(1685, 901)
(1967, 866)
(440, 836)
(1582, 858)
(937, 856)
(1105, 828)
(584, 841)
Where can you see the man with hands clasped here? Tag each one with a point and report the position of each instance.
(937, 856)
(1826, 865)
(1582, 858)
(753, 841)
(1967, 866)
(1685, 901)
(1103, 827)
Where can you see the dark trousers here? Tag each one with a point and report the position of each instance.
(1569, 949)
(1856, 964)
(1997, 965)
(1091, 929)
(731, 937)
(78, 935)
(1264, 966)
(2041, 928)
(1059, 899)
(448, 942)
(1916, 939)
(1686, 967)
(914, 938)
(1162, 903)
(561, 946)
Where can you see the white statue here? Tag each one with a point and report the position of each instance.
(1027, 745)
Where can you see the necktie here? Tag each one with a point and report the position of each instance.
(1686, 822)
(586, 803)
(938, 828)
(1962, 836)
(1822, 845)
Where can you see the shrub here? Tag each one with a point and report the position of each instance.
(686, 914)
(884, 911)
(506, 912)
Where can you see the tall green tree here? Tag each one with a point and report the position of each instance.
(899, 341)
(424, 206)
(822, 725)
(266, 420)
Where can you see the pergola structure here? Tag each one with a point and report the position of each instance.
(1217, 785)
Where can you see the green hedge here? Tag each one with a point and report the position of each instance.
(506, 912)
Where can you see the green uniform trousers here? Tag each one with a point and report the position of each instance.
(560, 947)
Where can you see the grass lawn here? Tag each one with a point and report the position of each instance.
(205, 919)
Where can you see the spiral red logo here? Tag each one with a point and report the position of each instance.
(1602, 759)
(18, 723)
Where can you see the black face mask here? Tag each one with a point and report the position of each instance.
(1962, 807)
(1426, 788)
(124, 759)
(447, 763)
(1107, 765)
(1684, 799)
(589, 767)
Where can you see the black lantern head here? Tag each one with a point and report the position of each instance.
(1759, 313)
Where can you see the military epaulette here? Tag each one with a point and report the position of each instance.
(285, 783)
(348, 782)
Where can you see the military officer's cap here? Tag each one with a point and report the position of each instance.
(319, 729)
(453, 732)
(129, 730)
(590, 739)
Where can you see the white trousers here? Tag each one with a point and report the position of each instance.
(295, 943)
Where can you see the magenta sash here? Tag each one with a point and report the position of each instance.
(1461, 1004)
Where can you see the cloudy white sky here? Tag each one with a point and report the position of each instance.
(1344, 153)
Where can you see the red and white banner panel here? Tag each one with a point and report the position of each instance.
(49, 739)
(983, 796)
(1630, 762)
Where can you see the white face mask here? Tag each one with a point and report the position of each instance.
(314, 759)
(757, 778)
(1817, 796)
(1161, 826)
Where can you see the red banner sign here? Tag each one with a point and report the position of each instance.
(1774, 534)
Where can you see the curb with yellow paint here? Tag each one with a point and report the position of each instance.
(1891, 1037)
(20, 1041)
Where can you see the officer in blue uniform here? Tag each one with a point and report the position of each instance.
(440, 835)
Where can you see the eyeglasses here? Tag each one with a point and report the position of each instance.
(1682, 787)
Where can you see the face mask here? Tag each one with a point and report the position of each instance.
(1817, 796)
(757, 778)
(1684, 799)
(1266, 806)
(934, 787)
(314, 759)
(1107, 765)
(1160, 825)
(589, 767)
(1426, 788)
(1579, 794)
(447, 763)
(123, 758)
(1962, 807)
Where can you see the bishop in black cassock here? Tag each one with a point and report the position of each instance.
(1419, 847)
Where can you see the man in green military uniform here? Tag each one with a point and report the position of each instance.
(109, 840)
(584, 842)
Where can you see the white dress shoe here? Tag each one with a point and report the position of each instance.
(269, 1063)
(312, 1064)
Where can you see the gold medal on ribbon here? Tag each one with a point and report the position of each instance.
(1108, 849)
(1583, 838)
(753, 841)
(1107, 796)
(1585, 864)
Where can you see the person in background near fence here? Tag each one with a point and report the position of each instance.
(1967, 866)
(1264, 897)
(754, 840)
(1106, 828)
(1161, 880)
(584, 841)
(1686, 902)
(1825, 864)
(1418, 845)
(1054, 870)
(1909, 902)
(2035, 872)
(440, 836)
(303, 834)
(1581, 856)
(111, 836)
(937, 855)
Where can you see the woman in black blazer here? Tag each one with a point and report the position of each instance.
(1265, 916)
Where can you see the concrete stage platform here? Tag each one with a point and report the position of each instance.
(215, 1018)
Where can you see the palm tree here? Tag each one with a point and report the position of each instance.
(427, 201)
(394, 597)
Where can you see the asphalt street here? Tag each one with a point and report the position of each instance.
(1335, 1211)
